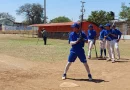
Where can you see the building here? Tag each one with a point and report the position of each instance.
(124, 27)
(61, 30)
(8, 22)
(5, 21)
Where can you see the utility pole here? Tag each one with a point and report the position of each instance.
(45, 11)
(82, 10)
(82, 14)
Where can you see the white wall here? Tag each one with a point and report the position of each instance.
(5, 27)
(125, 37)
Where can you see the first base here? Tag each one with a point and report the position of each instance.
(68, 84)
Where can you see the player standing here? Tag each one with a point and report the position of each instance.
(44, 35)
(77, 40)
(116, 40)
(91, 39)
(108, 36)
(102, 42)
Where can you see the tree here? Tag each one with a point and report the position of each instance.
(101, 17)
(60, 19)
(7, 16)
(125, 12)
(33, 13)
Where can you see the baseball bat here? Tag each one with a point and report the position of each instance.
(113, 24)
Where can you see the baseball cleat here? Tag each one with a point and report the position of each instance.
(118, 59)
(89, 57)
(90, 77)
(113, 61)
(64, 77)
(108, 59)
(105, 56)
(100, 57)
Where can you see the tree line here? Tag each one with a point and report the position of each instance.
(34, 14)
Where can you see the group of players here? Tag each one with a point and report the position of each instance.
(109, 38)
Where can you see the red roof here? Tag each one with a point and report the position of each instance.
(53, 24)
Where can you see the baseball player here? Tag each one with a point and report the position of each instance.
(44, 35)
(116, 40)
(77, 40)
(102, 42)
(108, 36)
(91, 39)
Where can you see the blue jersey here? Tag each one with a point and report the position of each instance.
(74, 37)
(101, 37)
(107, 33)
(91, 34)
(117, 33)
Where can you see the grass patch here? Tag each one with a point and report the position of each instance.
(55, 49)
(28, 48)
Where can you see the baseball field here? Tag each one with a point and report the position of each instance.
(26, 65)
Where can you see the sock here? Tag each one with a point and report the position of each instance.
(105, 52)
(101, 50)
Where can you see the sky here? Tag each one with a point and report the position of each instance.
(68, 8)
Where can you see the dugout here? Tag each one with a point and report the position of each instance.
(61, 30)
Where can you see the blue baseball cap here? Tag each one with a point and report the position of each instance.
(90, 26)
(101, 26)
(107, 25)
(75, 25)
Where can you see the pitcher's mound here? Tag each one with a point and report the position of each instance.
(68, 84)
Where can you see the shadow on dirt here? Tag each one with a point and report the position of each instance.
(94, 58)
(122, 61)
(94, 80)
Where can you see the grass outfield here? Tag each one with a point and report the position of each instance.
(56, 49)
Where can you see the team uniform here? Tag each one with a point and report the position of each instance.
(91, 41)
(115, 42)
(77, 49)
(102, 43)
(109, 43)
(77, 40)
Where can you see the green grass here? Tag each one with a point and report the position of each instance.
(56, 49)
(28, 48)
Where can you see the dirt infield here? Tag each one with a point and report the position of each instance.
(20, 74)
(19, 71)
